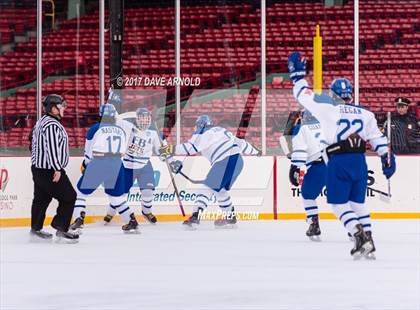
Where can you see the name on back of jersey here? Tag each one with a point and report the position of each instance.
(350, 110)
(112, 129)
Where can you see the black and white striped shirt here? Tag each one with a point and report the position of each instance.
(50, 144)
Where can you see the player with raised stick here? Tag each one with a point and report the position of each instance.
(346, 129)
(219, 147)
(144, 141)
(106, 141)
(308, 145)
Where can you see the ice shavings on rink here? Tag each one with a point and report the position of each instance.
(260, 265)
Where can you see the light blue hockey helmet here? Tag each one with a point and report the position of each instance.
(203, 121)
(342, 88)
(107, 111)
(143, 118)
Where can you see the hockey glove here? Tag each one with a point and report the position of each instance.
(83, 167)
(388, 169)
(176, 166)
(294, 175)
(297, 67)
(167, 150)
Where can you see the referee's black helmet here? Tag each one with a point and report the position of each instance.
(52, 100)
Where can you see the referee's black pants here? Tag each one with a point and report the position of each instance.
(44, 191)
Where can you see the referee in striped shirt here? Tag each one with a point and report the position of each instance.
(49, 157)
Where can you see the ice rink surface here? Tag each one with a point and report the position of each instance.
(260, 265)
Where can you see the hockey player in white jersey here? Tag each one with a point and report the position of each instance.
(346, 129)
(308, 145)
(106, 141)
(144, 142)
(219, 146)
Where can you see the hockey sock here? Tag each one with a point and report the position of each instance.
(120, 205)
(224, 200)
(363, 215)
(146, 200)
(311, 208)
(111, 210)
(79, 205)
(202, 199)
(347, 216)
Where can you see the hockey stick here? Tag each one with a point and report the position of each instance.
(189, 179)
(389, 150)
(171, 175)
(378, 191)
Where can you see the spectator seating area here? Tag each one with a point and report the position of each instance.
(221, 45)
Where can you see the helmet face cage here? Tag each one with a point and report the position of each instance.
(143, 119)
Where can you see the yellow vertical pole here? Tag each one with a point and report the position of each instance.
(317, 71)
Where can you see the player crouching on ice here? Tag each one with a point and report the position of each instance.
(219, 146)
(308, 145)
(346, 130)
(144, 141)
(106, 141)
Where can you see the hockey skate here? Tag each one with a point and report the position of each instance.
(107, 219)
(132, 227)
(66, 237)
(362, 245)
(40, 236)
(314, 232)
(149, 217)
(371, 255)
(77, 226)
(227, 222)
(193, 222)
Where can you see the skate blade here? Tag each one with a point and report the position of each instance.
(227, 226)
(364, 252)
(34, 239)
(61, 240)
(315, 238)
(132, 232)
(77, 231)
(190, 227)
(370, 256)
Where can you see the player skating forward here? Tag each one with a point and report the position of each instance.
(106, 141)
(219, 146)
(346, 129)
(144, 141)
(308, 145)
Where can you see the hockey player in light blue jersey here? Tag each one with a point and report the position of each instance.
(143, 143)
(346, 129)
(106, 141)
(308, 145)
(219, 146)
